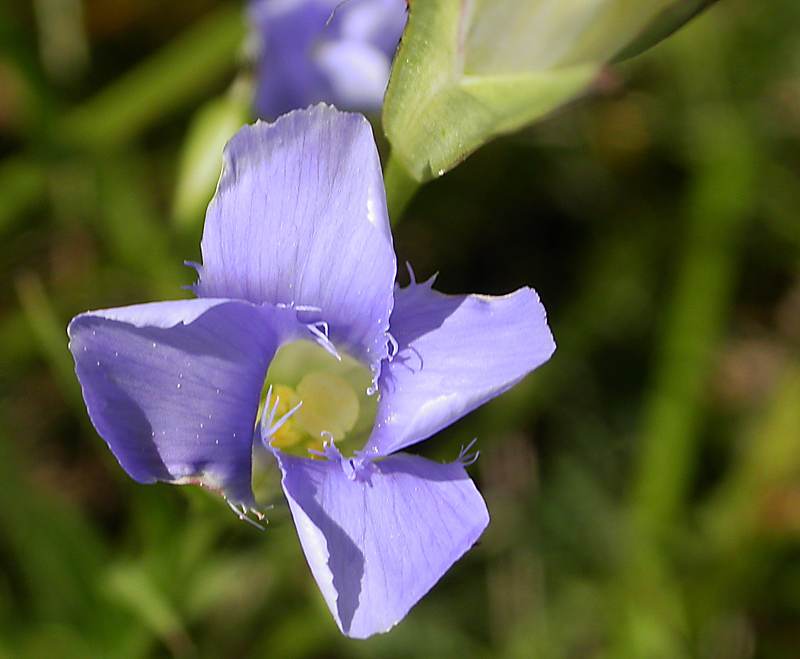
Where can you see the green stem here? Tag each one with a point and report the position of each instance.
(717, 209)
(165, 82)
(400, 188)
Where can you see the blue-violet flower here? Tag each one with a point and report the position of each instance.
(297, 247)
(335, 51)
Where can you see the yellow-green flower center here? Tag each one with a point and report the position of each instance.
(334, 399)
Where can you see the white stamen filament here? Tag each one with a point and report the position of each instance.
(268, 425)
(320, 332)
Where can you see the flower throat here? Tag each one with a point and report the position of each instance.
(310, 397)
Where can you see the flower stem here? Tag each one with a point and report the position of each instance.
(717, 209)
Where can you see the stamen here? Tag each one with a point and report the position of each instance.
(320, 331)
(270, 411)
(322, 326)
(284, 419)
(268, 425)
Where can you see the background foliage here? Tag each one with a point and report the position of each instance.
(644, 485)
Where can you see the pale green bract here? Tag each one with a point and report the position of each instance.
(469, 70)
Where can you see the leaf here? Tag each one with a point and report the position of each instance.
(131, 586)
(467, 72)
(668, 21)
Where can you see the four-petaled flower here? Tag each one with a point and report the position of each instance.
(297, 245)
(335, 51)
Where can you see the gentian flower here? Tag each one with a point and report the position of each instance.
(297, 248)
(324, 50)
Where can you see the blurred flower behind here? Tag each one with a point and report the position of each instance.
(324, 50)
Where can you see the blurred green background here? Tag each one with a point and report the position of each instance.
(644, 485)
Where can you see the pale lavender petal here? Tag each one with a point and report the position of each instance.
(300, 219)
(455, 353)
(357, 72)
(288, 77)
(324, 50)
(377, 543)
(173, 387)
(379, 23)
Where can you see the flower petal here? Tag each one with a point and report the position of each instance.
(300, 219)
(377, 543)
(173, 387)
(377, 22)
(455, 352)
(319, 50)
(287, 76)
(357, 71)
